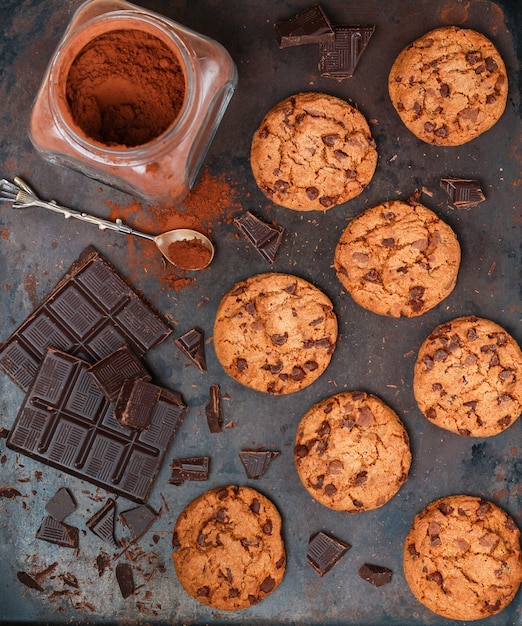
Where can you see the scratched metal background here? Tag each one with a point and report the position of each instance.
(374, 353)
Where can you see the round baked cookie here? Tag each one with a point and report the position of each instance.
(275, 333)
(229, 552)
(468, 377)
(462, 558)
(352, 452)
(313, 151)
(449, 86)
(398, 259)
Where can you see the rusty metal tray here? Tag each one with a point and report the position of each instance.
(374, 354)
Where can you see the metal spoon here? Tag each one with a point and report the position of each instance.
(22, 196)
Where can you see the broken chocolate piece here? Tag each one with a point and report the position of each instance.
(266, 238)
(57, 532)
(111, 372)
(463, 193)
(28, 581)
(66, 422)
(125, 579)
(138, 520)
(9, 492)
(214, 410)
(192, 345)
(377, 575)
(256, 462)
(102, 523)
(61, 505)
(324, 552)
(340, 57)
(194, 468)
(136, 403)
(308, 26)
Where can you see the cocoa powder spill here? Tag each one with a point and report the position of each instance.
(125, 87)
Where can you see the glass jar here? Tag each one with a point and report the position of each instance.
(164, 168)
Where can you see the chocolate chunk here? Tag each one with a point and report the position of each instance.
(102, 523)
(125, 578)
(463, 193)
(66, 422)
(377, 575)
(214, 410)
(9, 492)
(57, 532)
(266, 238)
(138, 520)
(136, 403)
(89, 314)
(324, 552)
(308, 26)
(256, 462)
(29, 581)
(340, 57)
(61, 505)
(194, 468)
(111, 372)
(192, 345)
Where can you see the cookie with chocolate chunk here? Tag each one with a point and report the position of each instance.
(313, 151)
(275, 333)
(462, 558)
(352, 452)
(229, 552)
(398, 259)
(467, 377)
(449, 86)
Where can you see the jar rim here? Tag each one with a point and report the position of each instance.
(68, 52)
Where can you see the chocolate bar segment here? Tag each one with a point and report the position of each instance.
(324, 552)
(192, 345)
(136, 403)
(61, 534)
(256, 462)
(102, 523)
(125, 578)
(193, 468)
(463, 193)
(265, 237)
(60, 505)
(340, 57)
(308, 26)
(90, 313)
(214, 410)
(377, 575)
(138, 520)
(66, 422)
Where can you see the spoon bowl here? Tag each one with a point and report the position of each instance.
(194, 252)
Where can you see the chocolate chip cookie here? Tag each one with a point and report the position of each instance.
(462, 558)
(352, 452)
(313, 151)
(467, 377)
(398, 259)
(229, 552)
(449, 86)
(275, 333)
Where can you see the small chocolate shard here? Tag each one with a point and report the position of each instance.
(138, 520)
(136, 403)
(256, 462)
(9, 492)
(308, 26)
(61, 505)
(192, 344)
(59, 533)
(266, 238)
(377, 575)
(339, 58)
(463, 193)
(324, 552)
(194, 468)
(125, 578)
(214, 410)
(28, 581)
(102, 523)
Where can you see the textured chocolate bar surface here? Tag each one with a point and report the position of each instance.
(340, 57)
(66, 422)
(324, 552)
(102, 522)
(192, 344)
(464, 193)
(266, 238)
(308, 26)
(256, 462)
(90, 313)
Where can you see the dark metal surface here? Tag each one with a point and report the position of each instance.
(374, 354)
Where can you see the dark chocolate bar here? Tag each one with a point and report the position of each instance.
(61, 534)
(340, 57)
(66, 422)
(136, 403)
(102, 523)
(192, 344)
(138, 520)
(111, 372)
(256, 462)
(463, 193)
(266, 238)
(324, 552)
(90, 313)
(214, 410)
(308, 26)
(194, 468)
(377, 575)
(125, 578)
(60, 505)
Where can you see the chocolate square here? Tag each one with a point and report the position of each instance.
(308, 26)
(340, 57)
